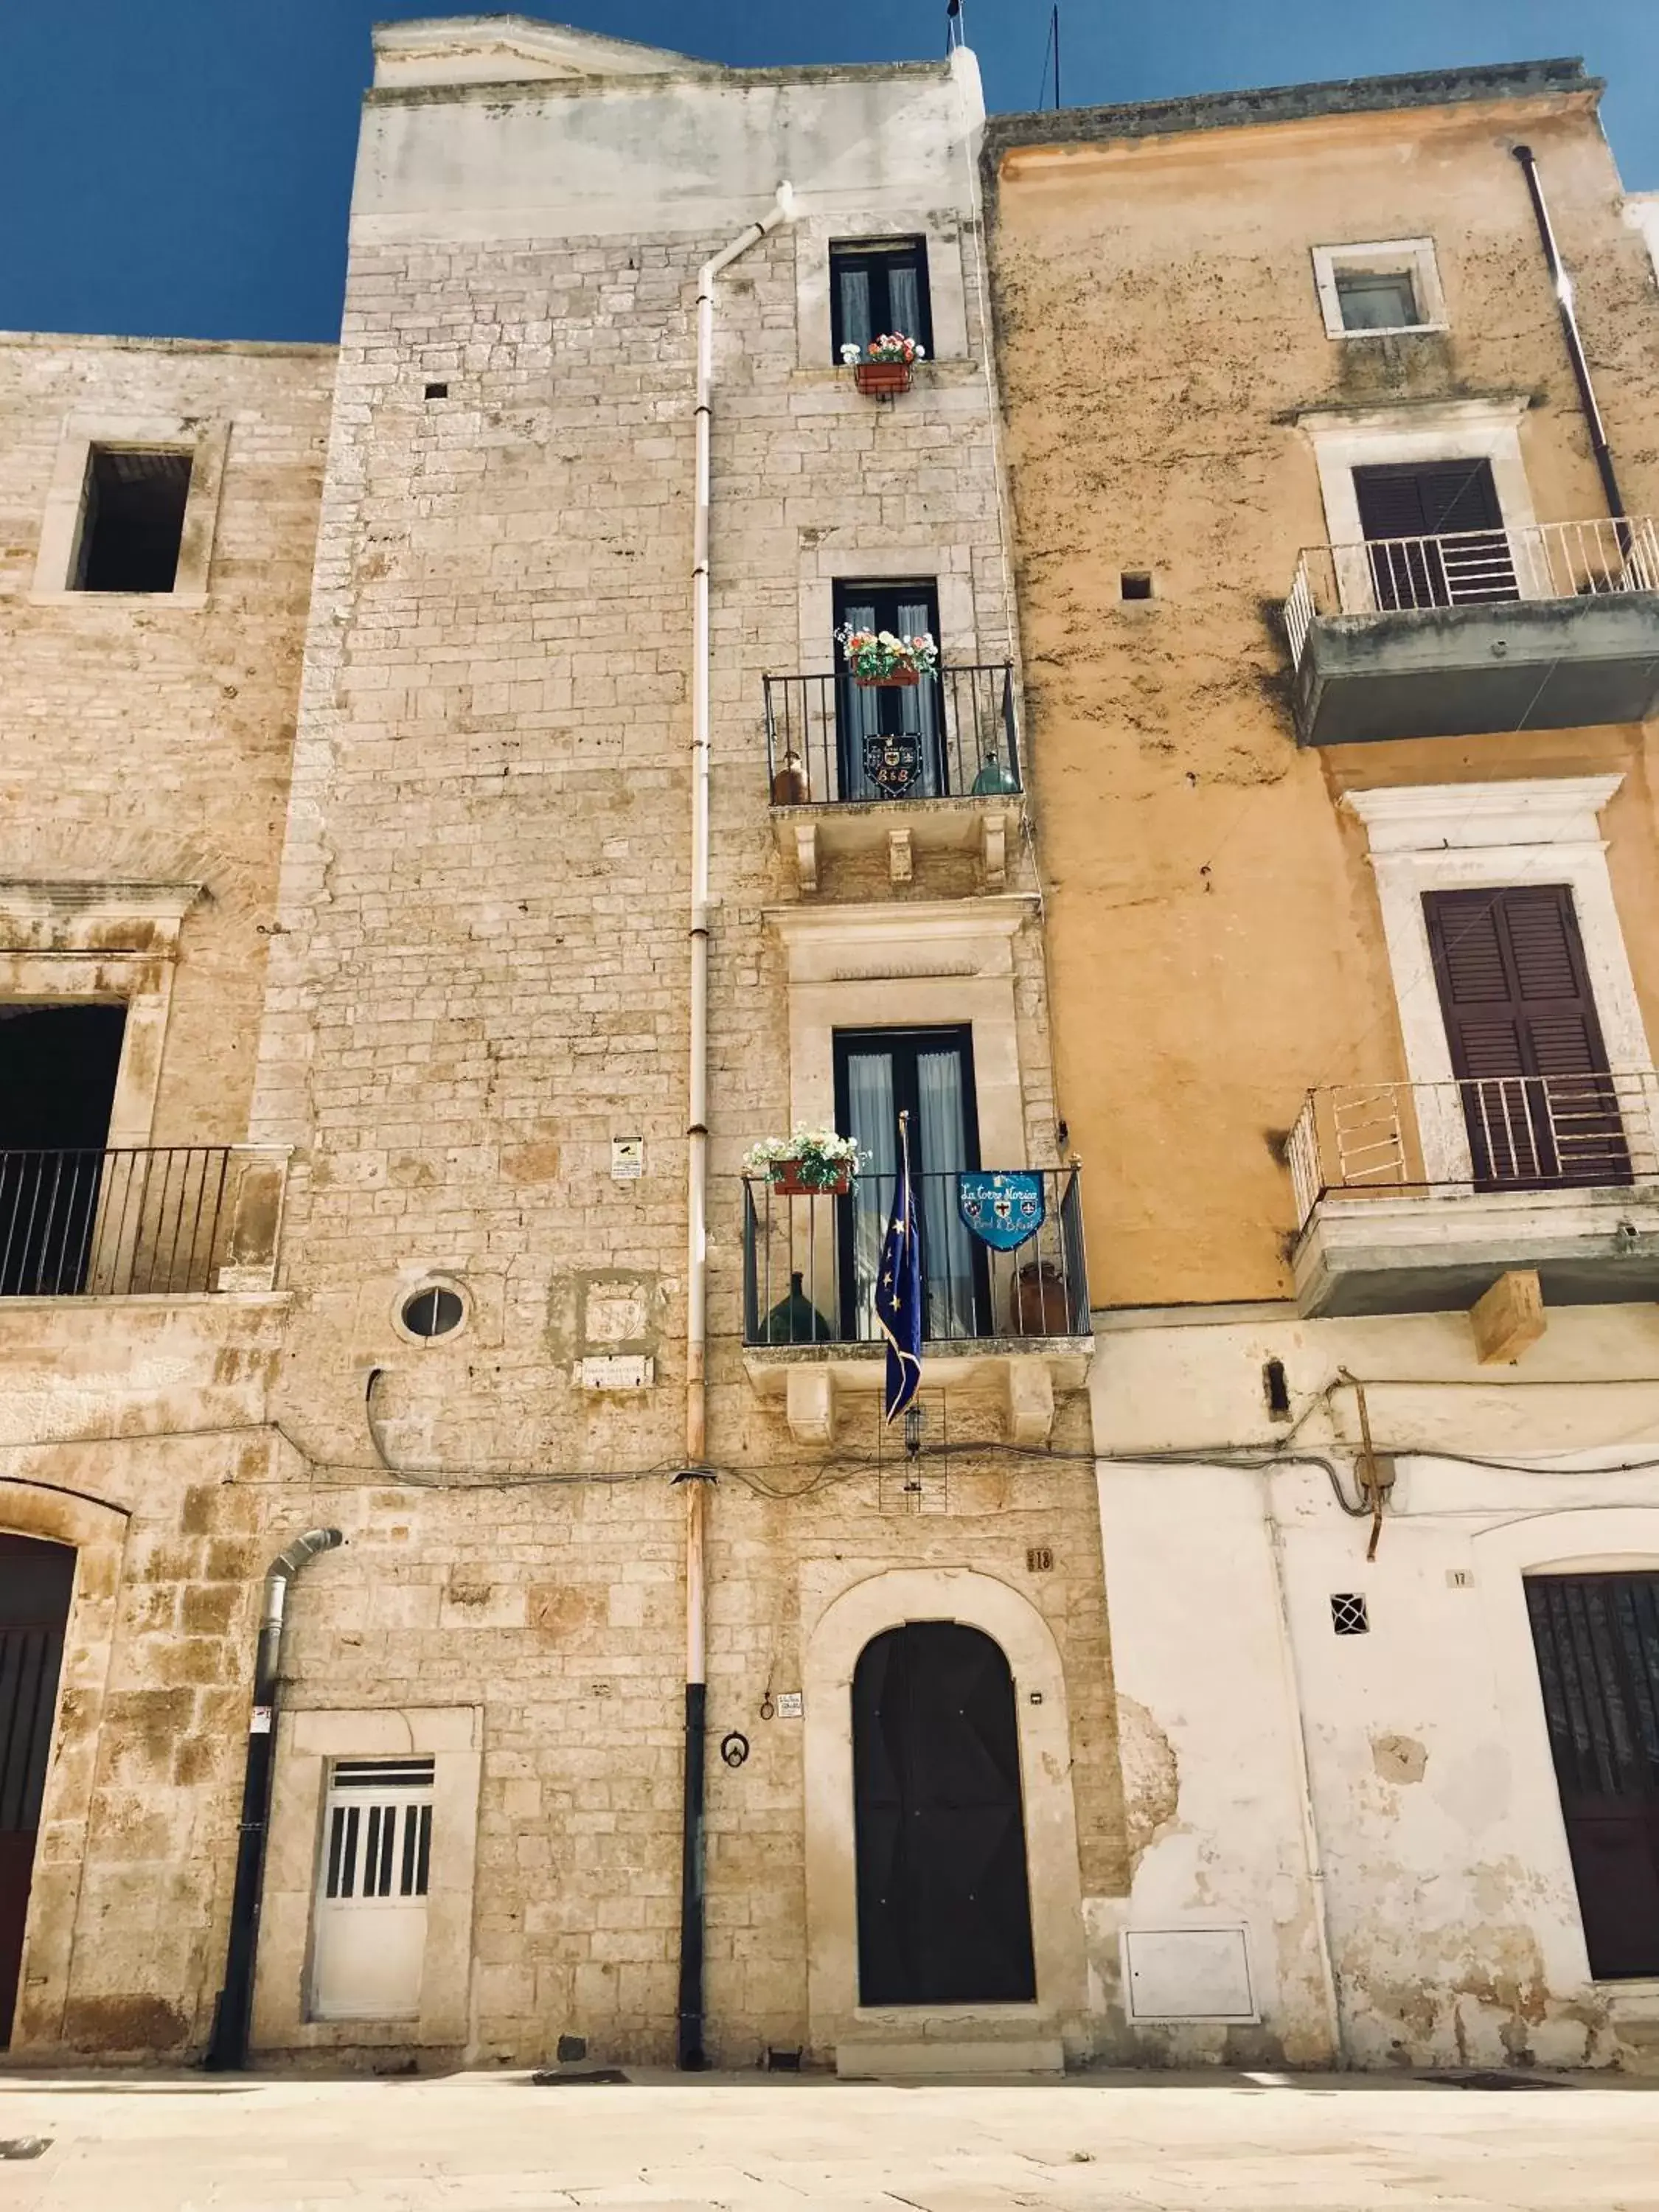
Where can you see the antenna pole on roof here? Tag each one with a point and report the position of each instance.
(953, 28)
(1056, 30)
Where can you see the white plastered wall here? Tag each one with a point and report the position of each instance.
(1450, 1905)
(1206, 1720)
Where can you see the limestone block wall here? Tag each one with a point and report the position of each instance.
(133, 1433)
(479, 982)
(146, 740)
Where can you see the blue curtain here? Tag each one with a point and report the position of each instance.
(875, 1131)
(946, 1246)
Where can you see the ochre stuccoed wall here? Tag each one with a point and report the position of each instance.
(1215, 946)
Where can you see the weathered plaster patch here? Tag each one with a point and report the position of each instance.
(1151, 1780)
(1399, 1758)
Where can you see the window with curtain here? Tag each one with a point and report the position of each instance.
(928, 1073)
(878, 287)
(911, 712)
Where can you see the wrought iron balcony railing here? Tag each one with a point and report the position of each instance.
(1564, 561)
(1506, 1133)
(135, 1222)
(810, 1263)
(832, 741)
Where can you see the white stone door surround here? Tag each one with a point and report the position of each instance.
(1461, 836)
(1601, 1538)
(1446, 430)
(866, 1610)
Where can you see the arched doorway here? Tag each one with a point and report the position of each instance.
(944, 1901)
(36, 1579)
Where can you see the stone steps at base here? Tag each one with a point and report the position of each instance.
(877, 2059)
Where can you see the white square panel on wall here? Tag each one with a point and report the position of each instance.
(1188, 1974)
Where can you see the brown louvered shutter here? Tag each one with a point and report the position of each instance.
(1435, 499)
(1526, 1046)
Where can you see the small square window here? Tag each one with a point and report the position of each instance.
(1349, 1614)
(1377, 299)
(1374, 289)
(132, 519)
(1135, 584)
(877, 286)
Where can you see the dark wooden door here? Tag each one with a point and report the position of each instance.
(1440, 528)
(944, 1913)
(35, 1582)
(1597, 1640)
(1526, 1046)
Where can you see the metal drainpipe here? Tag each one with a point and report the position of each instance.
(227, 2052)
(692, 2057)
(1563, 285)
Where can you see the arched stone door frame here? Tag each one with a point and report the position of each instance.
(97, 1533)
(847, 1624)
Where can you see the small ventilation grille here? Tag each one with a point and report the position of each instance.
(1348, 1613)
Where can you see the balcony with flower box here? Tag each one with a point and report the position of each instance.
(896, 768)
(1005, 1292)
(1420, 1197)
(1545, 626)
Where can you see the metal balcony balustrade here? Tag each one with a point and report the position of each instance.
(810, 1265)
(1520, 1133)
(1542, 625)
(135, 1221)
(831, 741)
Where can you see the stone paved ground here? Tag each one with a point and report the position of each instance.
(475, 2143)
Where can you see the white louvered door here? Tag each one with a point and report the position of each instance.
(370, 1929)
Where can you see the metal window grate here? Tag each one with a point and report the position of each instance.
(380, 1845)
(1349, 1614)
(383, 1774)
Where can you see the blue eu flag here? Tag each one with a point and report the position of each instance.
(898, 1288)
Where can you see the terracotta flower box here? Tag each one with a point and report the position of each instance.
(788, 1183)
(881, 380)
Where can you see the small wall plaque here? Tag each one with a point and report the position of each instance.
(615, 1371)
(789, 1705)
(627, 1158)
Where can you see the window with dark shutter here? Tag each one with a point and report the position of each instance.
(1526, 1046)
(1597, 1641)
(1436, 533)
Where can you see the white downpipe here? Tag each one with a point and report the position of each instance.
(692, 2055)
(697, 1302)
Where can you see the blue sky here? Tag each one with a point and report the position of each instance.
(184, 164)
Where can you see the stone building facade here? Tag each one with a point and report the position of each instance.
(465, 1342)
(444, 838)
(147, 742)
(1339, 642)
